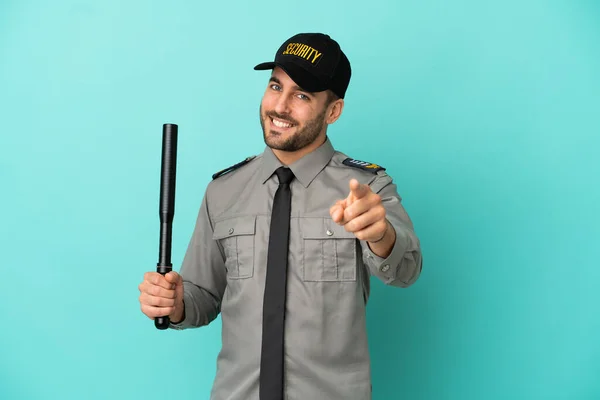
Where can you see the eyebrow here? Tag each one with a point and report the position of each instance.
(296, 87)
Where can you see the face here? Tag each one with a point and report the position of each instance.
(292, 118)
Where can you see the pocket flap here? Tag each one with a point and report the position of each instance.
(235, 226)
(323, 228)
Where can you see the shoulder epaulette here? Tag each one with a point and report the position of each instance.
(374, 168)
(233, 167)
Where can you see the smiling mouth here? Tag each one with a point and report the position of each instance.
(281, 124)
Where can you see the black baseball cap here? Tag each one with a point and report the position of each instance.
(314, 61)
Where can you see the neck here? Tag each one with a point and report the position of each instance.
(290, 157)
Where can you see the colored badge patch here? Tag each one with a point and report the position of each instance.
(233, 167)
(363, 165)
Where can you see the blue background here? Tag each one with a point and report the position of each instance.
(485, 113)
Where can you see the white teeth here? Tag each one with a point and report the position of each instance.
(280, 124)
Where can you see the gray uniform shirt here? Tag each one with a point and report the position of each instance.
(224, 269)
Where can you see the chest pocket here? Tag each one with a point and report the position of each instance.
(329, 251)
(237, 237)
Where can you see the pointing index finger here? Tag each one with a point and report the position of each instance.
(358, 190)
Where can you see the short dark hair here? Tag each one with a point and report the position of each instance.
(331, 97)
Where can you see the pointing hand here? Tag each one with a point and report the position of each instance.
(362, 213)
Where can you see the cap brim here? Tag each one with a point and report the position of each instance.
(298, 74)
(265, 66)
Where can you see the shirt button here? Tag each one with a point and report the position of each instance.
(385, 268)
(230, 231)
(329, 233)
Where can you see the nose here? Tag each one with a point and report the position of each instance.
(282, 106)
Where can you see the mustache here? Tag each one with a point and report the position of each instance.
(283, 117)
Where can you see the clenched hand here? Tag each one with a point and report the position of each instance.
(162, 295)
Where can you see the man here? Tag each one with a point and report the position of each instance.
(285, 243)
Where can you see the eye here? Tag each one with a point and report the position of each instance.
(302, 96)
(275, 86)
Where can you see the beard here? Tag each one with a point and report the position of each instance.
(300, 139)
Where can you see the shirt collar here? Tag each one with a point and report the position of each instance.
(305, 169)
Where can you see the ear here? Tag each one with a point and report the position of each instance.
(334, 111)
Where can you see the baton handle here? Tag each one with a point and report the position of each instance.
(167, 206)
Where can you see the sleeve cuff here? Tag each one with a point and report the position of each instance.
(387, 268)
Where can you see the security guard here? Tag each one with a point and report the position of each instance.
(285, 243)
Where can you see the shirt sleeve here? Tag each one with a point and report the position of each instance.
(403, 266)
(203, 273)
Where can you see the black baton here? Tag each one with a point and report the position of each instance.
(167, 206)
